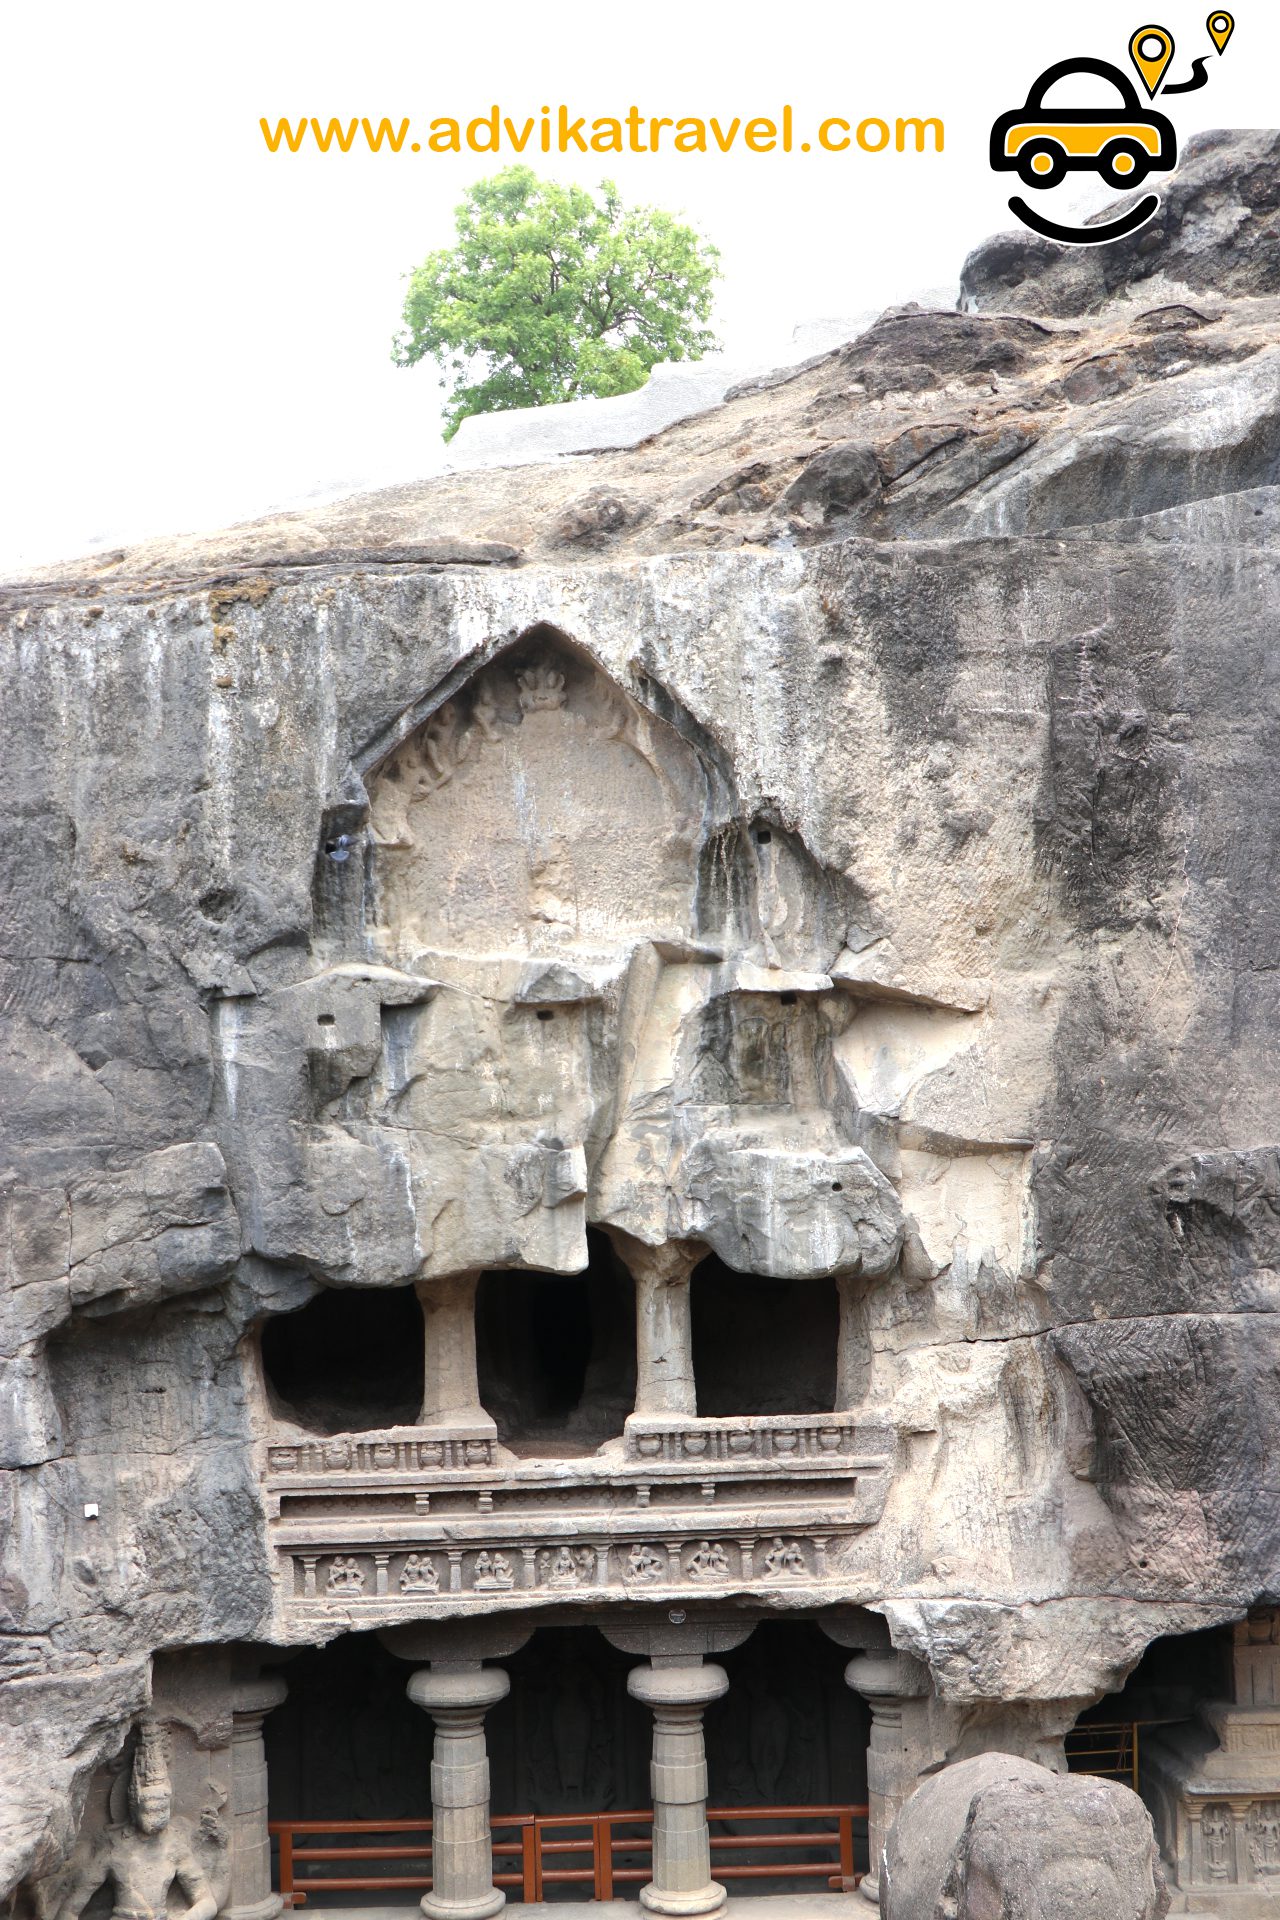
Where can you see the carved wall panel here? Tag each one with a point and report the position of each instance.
(381, 1526)
(501, 820)
(157, 1821)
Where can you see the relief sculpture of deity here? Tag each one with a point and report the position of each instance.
(150, 1854)
(1215, 1829)
(1263, 1826)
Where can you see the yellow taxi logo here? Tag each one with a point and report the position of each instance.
(1121, 144)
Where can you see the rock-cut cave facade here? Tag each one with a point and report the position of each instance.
(633, 1181)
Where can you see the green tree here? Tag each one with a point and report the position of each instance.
(551, 292)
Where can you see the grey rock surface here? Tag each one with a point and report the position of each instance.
(998, 1838)
(1215, 233)
(935, 689)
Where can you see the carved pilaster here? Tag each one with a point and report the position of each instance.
(251, 1894)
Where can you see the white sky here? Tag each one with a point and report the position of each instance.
(194, 330)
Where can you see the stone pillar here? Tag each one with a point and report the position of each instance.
(457, 1695)
(251, 1895)
(451, 1393)
(853, 1352)
(664, 1331)
(888, 1682)
(677, 1689)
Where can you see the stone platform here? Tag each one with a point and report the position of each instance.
(765, 1906)
(768, 1906)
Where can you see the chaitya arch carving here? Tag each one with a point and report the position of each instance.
(537, 809)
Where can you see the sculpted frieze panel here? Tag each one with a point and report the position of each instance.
(376, 1524)
(381, 1583)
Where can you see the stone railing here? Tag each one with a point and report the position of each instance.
(781, 1440)
(383, 1526)
(405, 1450)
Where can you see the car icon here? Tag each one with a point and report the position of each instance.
(1043, 144)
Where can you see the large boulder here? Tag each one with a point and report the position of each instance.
(999, 1838)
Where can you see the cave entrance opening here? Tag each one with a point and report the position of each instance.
(763, 1346)
(556, 1354)
(350, 1361)
(569, 1747)
(1120, 1736)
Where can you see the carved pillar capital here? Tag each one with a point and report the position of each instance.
(666, 1686)
(254, 1699)
(886, 1678)
(466, 1689)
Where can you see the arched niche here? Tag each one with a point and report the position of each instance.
(538, 807)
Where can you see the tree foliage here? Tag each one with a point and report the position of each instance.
(551, 293)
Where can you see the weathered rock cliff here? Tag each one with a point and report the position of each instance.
(977, 615)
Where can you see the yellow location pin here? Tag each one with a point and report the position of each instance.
(1151, 50)
(1221, 27)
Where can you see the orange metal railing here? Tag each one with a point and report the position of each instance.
(533, 1852)
(1111, 1748)
(1106, 1748)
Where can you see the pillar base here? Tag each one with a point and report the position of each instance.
(704, 1900)
(869, 1887)
(493, 1902)
(260, 1910)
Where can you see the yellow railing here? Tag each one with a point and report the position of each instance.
(1108, 1748)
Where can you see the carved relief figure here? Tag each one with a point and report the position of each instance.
(707, 1562)
(544, 760)
(644, 1564)
(541, 688)
(784, 1556)
(1215, 1831)
(485, 710)
(1263, 1828)
(445, 743)
(148, 1856)
(493, 1570)
(566, 1567)
(419, 1575)
(345, 1576)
